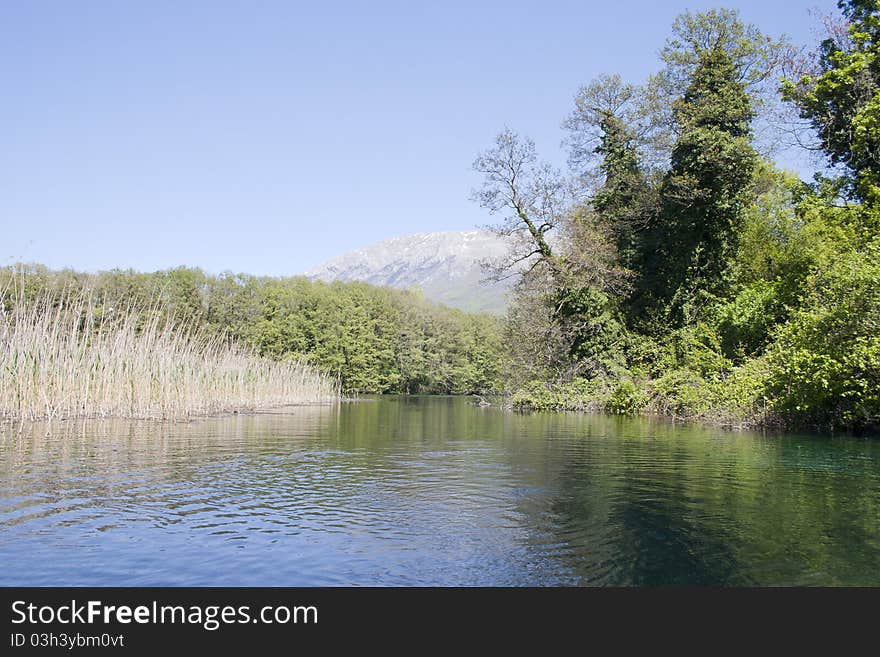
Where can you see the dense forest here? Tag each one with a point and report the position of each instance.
(371, 339)
(694, 278)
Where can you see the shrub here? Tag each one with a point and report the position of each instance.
(744, 323)
(825, 365)
(627, 398)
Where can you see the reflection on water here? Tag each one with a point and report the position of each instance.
(433, 491)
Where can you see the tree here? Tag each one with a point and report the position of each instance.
(707, 189)
(610, 128)
(535, 196)
(842, 99)
(825, 366)
(625, 201)
(755, 57)
(606, 98)
(563, 301)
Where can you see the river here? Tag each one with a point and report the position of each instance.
(433, 491)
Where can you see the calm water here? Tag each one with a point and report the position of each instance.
(434, 491)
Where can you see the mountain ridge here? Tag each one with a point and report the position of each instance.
(446, 266)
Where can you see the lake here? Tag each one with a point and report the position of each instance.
(433, 491)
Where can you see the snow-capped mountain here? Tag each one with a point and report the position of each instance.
(445, 266)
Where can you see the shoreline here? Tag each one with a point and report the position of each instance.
(584, 406)
(774, 424)
(176, 419)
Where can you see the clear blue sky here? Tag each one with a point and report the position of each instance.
(264, 137)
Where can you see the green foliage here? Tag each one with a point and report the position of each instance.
(375, 340)
(781, 241)
(825, 364)
(698, 348)
(842, 99)
(706, 191)
(757, 296)
(622, 198)
(627, 398)
(740, 398)
(577, 395)
(595, 329)
(753, 54)
(744, 322)
(680, 393)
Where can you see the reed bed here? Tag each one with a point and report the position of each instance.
(71, 358)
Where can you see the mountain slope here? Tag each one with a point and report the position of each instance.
(445, 266)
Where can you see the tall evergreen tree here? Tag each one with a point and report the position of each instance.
(621, 201)
(706, 191)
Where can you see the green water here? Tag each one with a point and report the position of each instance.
(434, 491)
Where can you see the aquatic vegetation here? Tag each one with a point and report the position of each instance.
(72, 358)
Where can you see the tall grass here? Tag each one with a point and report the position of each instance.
(70, 357)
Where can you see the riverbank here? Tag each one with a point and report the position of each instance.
(734, 402)
(73, 358)
(680, 396)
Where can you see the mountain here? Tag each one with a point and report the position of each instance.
(445, 266)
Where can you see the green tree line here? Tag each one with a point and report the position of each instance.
(374, 340)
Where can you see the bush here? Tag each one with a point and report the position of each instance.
(744, 323)
(681, 393)
(627, 398)
(698, 348)
(576, 395)
(825, 365)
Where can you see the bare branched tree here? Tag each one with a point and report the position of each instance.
(607, 95)
(533, 197)
(591, 256)
(537, 342)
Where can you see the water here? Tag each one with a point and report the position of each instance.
(434, 491)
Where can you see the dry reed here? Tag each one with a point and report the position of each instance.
(68, 359)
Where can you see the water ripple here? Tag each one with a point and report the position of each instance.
(434, 492)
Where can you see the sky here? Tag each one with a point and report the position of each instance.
(265, 137)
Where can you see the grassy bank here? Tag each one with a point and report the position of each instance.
(74, 358)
